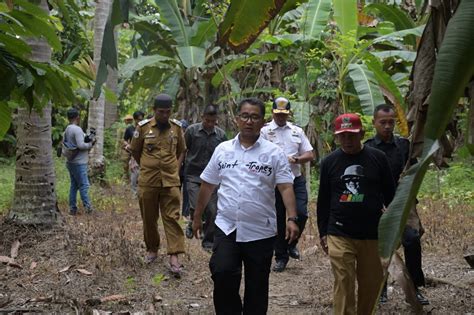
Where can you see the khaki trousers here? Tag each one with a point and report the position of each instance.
(351, 259)
(165, 199)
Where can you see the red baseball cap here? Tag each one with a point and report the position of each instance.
(347, 123)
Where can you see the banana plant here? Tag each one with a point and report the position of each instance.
(453, 70)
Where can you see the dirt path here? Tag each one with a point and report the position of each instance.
(92, 257)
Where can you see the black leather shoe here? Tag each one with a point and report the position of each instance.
(189, 230)
(280, 265)
(294, 252)
(421, 298)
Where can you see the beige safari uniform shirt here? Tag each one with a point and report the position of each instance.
(157, 153)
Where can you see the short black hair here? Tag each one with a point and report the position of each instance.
(252, 101)
(72, 113)
(137, 114)
(383, 107)
(210, 110)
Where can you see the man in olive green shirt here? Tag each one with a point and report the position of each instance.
(158, 147)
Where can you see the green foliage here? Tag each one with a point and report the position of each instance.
(454, 184)
(158, 278)
(7, 169)
(191, 56)
(366, 86)
(315, 18)
(453, 70)
(238, 30)
(130, 284)
(345, 16)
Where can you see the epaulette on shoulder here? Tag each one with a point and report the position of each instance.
(144, 122)
(176, 122)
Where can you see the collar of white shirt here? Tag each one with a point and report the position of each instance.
(273, 125)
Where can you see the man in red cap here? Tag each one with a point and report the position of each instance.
(355, 186)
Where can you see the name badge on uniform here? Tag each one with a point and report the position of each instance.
(150, 134)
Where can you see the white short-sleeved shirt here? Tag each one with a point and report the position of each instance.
(246, 195)
(290, 138)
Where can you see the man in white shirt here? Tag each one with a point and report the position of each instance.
(293, 141)
(247, 168)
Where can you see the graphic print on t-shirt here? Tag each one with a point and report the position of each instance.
(352, 178)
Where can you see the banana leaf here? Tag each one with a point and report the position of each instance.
(245, 20)
(453, 70)
(301, 113)
(170, 13)
(366, 86)
(395, 15)
(137, 64)
(345, 15)
(315, 18)
(192, 56)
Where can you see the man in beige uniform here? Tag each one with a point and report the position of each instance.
(158, 146)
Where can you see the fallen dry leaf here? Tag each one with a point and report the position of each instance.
(9, 261)
(41, 299)
(65, 269)
(84, 272)
(33, 265)
(14, 250)
(115, 297)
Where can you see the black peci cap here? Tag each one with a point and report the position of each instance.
(163, 101)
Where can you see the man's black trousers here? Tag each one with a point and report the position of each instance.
(226, 269)
(301, 195)
(412, 248)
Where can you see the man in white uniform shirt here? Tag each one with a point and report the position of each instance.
(292, 140)
(247, 168)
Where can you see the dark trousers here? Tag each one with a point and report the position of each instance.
(210, 211)
(226, 269)
(412, 248)
(301, 195)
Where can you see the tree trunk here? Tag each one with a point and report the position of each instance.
(34, 200)
(97, 107)
(111, 110)
(423, 71)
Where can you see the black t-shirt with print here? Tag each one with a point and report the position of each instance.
(352, 192)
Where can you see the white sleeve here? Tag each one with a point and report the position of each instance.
(211, 173)
(263, 133)
(283, 173)
(305, 145)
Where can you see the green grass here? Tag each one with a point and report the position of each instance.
(6, 184)
(7, 179)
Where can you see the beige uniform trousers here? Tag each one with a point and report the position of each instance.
(166, 200)
(351, 259)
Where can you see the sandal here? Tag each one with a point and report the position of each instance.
(150, 258)
(176, 270)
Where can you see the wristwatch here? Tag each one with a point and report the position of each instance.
(294, 219)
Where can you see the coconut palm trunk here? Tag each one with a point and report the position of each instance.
(97, 107)
(34, 200)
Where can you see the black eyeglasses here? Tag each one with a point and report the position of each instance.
(253, 118)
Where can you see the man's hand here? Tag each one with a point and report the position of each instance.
(292, 159)
(197, 226)
(324, 243)
(292, 231)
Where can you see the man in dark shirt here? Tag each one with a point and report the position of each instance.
(397, 151)
(133, 167)
(355, 186)
(201, 140)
